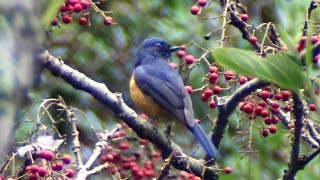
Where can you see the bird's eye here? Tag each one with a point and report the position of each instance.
(159, 45)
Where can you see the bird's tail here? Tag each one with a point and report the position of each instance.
(207, 145)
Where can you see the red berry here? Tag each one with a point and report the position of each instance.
(28, 168)
(183, 47)
(265, 132)
(213, 77)
(34, 168)
(213, 69)
(57, 166)
(66, 159)
(54, 21)
(108, 20)
(73, 2)
(32, 176)
(268, 121)
(277, 96)
(202, 2)
(66, 8)
(264, 113)
(194, 10)
(204, 97)
(265, 94)
(181, 53)
(285, 95)
(244, 17)
(287, 108)
(275, 120)
(83, 20)
(213, 104)
(42, 171)
(47, 155)
(108, 158)
(85, 4)
(253, 39)
(216, 89)
(189, 59)
(69, 172)
(275, 104)
(228, 75)
(312, 107)
(262, 103)
(119, 134)
(242, 80)
(275, 110)
(173, 65)
(143, 141)
(124, 146)
(77, 8)
(66, 19)
(156, 155)
(314, 39)
(258, 110)
(273, 129)
(208, 93)
(189, 89)
(247, 108)
(228, 170)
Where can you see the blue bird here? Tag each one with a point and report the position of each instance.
(157, 90)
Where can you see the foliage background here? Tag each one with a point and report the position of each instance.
(107, 54)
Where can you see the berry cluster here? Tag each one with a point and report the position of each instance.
(196, 9)
(45, 163)
(78, 9)
(134, 158)
(302, 44)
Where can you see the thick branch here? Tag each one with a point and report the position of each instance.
(229, 106)
(143, 129)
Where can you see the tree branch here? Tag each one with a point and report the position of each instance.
(115, 102)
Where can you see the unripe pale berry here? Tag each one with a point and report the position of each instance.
(194, 10)
(173, 65)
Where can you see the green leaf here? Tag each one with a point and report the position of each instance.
(51, 11)
(280, 69)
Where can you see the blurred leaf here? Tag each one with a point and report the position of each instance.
(276, 68)
(51, 11)
(286, 38)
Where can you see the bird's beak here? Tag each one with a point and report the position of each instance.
(174, 48)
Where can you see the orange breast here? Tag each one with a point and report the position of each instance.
(146, 104)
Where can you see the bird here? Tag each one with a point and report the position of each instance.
(157, 90)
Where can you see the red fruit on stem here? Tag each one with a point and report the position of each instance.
(108, 158)
(54, 21)
(33, 176)
(204, 97)
(275, 120)
(202, 2)
(275, 104)
(108, 20)
(258, 110)
(69, 173)
(42, 171)
(189, 59)
(312, 107)
(73, 2)
(181, 53)
(66, 159)
(265, 94)
(173, 65)
(244, 17)
(213, 77)
(228, 75)
(66, 19)
(247, 108)
(273, 129)
(228, 170)
(77, 8)
(143, 141)
(189, 89)
(83, 20)
(252, 39)
(124, 146)
(268, 120)
(213, 69)
(85, 4)
(262, 103)
(212, 104)
(57, 166)
(194, 10)
(216, 89)
(314, 39)
(208, 93)
(264, 113)
(285, 95)
(34, 168)
(265, 132)
(277, 96)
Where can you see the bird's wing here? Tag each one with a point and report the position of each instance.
(164, 86)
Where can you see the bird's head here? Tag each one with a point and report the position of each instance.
(155, 48)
